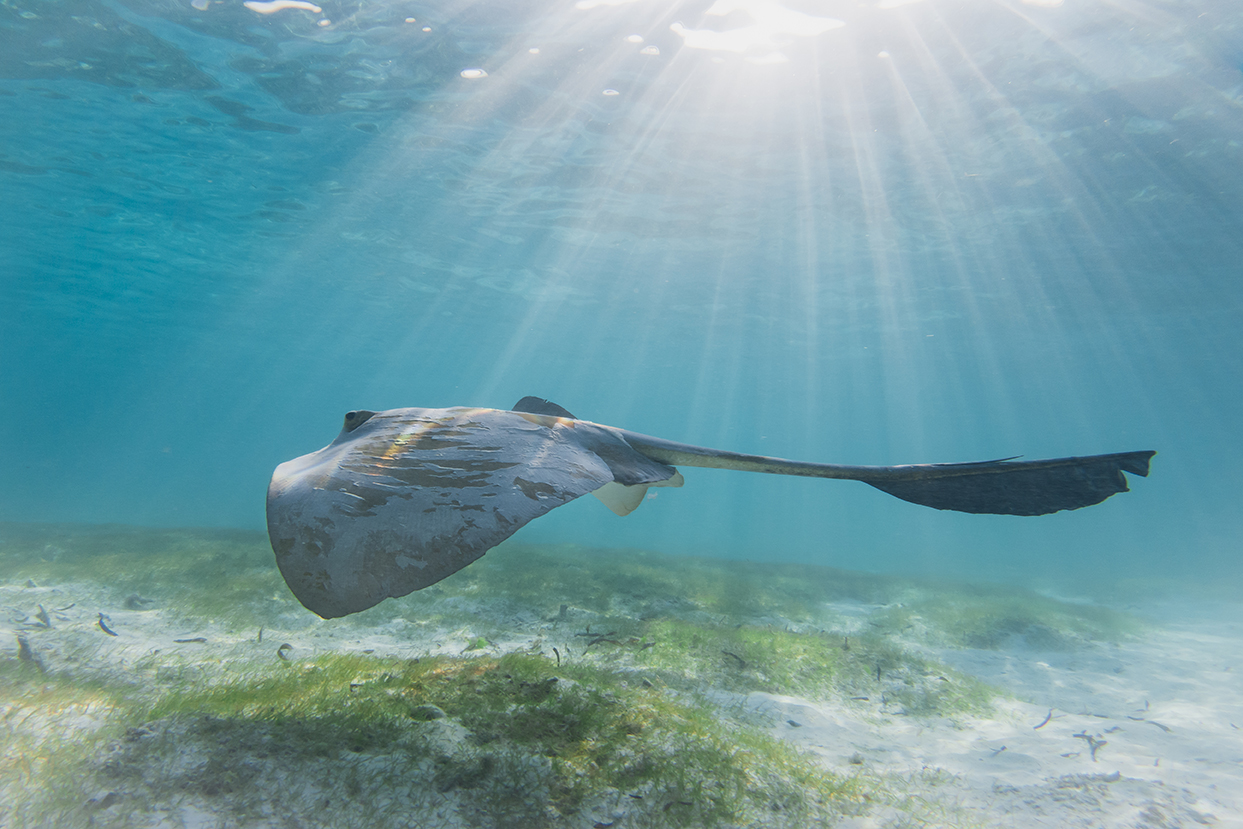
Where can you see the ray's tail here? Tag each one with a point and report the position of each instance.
(1000, 487)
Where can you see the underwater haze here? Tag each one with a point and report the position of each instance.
(882, 232)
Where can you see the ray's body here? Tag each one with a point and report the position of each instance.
(403, 498)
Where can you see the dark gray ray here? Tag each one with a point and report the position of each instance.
(403, 498)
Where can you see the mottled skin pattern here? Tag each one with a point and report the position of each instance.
(403, 498)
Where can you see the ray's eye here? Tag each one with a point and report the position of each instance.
(355, 419)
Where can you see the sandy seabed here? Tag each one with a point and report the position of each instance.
(1163, 712)
(1137, 729)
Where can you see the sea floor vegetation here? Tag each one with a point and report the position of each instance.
(168, 678)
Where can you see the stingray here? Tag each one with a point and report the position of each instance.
(403, 498)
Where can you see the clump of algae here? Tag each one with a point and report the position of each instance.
(510, 741)
(815, 665)
(972, 616)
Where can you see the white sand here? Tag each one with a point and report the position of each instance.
(1169, 708)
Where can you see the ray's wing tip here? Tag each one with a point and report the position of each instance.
(333, 612)
(326, 605)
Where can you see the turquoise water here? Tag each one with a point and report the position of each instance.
(938, 232)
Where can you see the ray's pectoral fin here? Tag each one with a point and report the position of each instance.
(1016, 487)
(414, 495)
(404, 498)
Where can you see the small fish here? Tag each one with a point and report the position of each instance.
(103, 625)
(1093, 742)
(197, 639)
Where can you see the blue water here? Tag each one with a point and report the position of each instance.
(939, 232)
